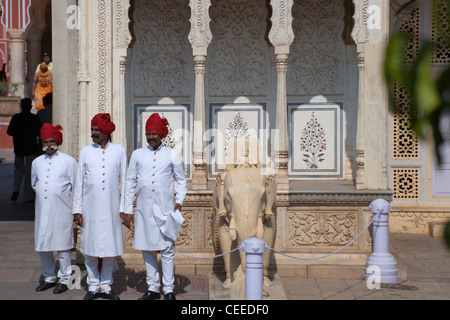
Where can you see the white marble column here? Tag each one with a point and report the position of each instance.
(281, 57)
(281, 36)
(199, 177)
(200, 37)
(121, 39)
(370, 33)
(17, 58)
(64, 70)
(84, 75)
(360, 180)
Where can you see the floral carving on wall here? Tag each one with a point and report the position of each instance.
(321, 228)
(162, 50)
(316, 62)
(238, 51)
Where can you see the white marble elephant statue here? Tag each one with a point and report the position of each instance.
(243, 206)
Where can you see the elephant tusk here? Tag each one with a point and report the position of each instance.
(233, 234)
(233, 231)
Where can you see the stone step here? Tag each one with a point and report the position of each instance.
(437, 229)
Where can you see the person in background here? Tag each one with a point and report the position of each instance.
(47, 60)
(25, 129)
(42, 85)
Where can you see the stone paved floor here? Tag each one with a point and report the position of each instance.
(425, 259)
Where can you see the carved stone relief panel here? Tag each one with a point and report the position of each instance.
(321, 228)
(316, 62)
(195, 232)
(185, 235)
(238, 53)
(162, 53)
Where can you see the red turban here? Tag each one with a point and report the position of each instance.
(48, 131)
(155, 123)
(103, 122)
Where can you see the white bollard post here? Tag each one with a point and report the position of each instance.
(381, 260)
(254, 248)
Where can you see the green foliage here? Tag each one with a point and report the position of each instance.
(428, 92)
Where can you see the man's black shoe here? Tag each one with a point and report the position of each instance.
(45, 285)
(91, 295)
(169, 296)
(60, 288)
(109, 296)
(150, 295)
(15, 195)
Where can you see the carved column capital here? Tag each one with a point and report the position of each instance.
(16, 35)
(199, 64)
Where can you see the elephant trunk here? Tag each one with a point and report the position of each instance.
(244, 231)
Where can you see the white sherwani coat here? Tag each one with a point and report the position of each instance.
(153, 175)
(53, 179)
(100, 178)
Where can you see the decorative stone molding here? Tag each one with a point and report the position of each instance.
(413, 219)
(198, 199)
(337, 198)
(123, 36)
(104, 55)
(84, 77)
(360, 33)
(296, 198)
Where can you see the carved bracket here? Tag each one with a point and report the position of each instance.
(200, 34)
(281, 32)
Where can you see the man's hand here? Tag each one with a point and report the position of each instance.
(78, 219)
(127, 220)
(177, 207)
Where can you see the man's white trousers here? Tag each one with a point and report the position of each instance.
(49, 266)
(100, 281)
(168, 267)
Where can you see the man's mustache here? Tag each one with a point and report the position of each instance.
(52, 146)
(94, 136)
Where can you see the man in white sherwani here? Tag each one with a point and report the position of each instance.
(153, 173)
(52, 178)
(98, 204)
